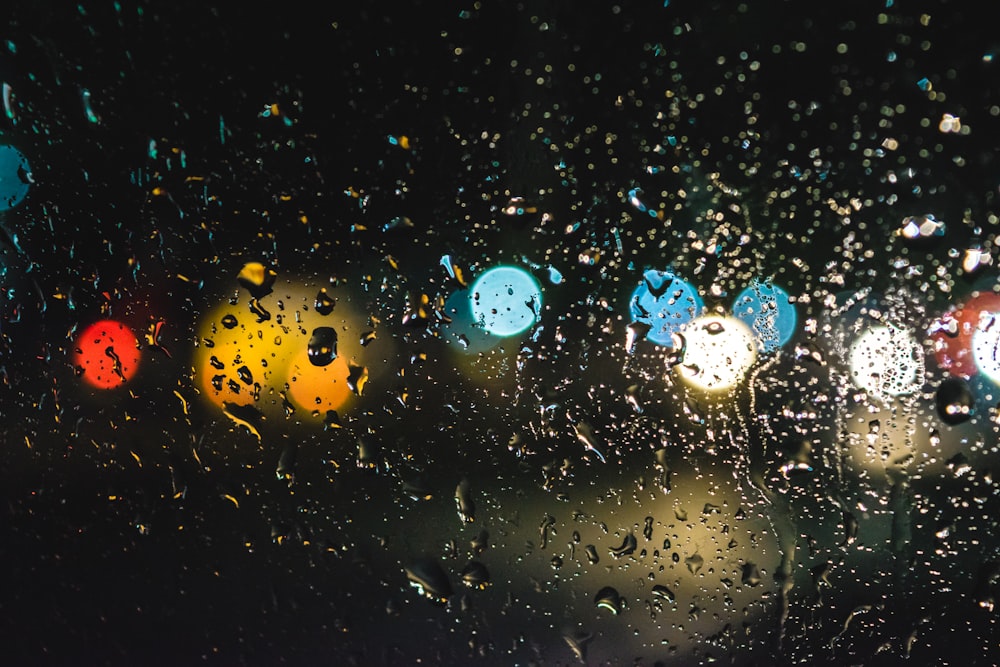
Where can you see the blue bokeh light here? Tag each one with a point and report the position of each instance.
(666, 303)
(768, 311)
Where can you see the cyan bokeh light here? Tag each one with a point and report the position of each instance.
(666, 303)
(506, 300)
(15, 177)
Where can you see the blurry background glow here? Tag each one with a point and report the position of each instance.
(463, 331)
(666, 303)
(107, 354)
(718, 353)
(886, 361)
(766, 309)
(506, 300)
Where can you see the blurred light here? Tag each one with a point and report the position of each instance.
(921, 227)
(107, 354)
(665, 303)
(952, 334)
(886, 361)
(506, 300)
(15, 177)
(237, 356)
(768, 311)
(256, 352)
(718, 352)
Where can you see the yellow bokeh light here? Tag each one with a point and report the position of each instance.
(238, 358)
(256, 352)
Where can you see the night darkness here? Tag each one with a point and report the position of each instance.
(215, 191)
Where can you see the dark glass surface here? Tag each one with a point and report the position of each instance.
(260, 405)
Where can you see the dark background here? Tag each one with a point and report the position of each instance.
(103, 561)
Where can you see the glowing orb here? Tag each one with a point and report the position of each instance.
(766, 309)
(986, 345)
(952, 334)
(665, 303)
(107, 354)
(506, 300)
(886, 361)
(15, 177)
(718, 352)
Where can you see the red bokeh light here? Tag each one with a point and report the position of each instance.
(107, 354)
(952, 333)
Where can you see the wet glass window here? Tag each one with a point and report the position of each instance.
(499, 333)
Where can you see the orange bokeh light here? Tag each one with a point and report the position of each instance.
(107, 354)
(319, 388)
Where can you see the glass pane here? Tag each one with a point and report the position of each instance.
(657, 333)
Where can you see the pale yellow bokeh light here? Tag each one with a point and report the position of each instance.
(718, 352)
(886, 361)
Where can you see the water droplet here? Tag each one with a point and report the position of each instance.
(543, 529)
(578, 641)
(751, 574)
(322, 348)
(229, 321)
(286, 463)
(609, 599)
(799, 459)
(592, 556)
(324, 304)
(357, 378)
(427, 576)
(921, 227)
(627, 547)
(15, 174)
(954, 400)
(694, 563)
(480, 542)
(368, 452)
(331, 420)
(475, 575)
(663, 593)
(256, 279)
(244, 374)
(463, 500)
(647, 529)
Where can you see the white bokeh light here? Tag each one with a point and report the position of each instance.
(986, 345)
(886, 361)
(718, 352)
